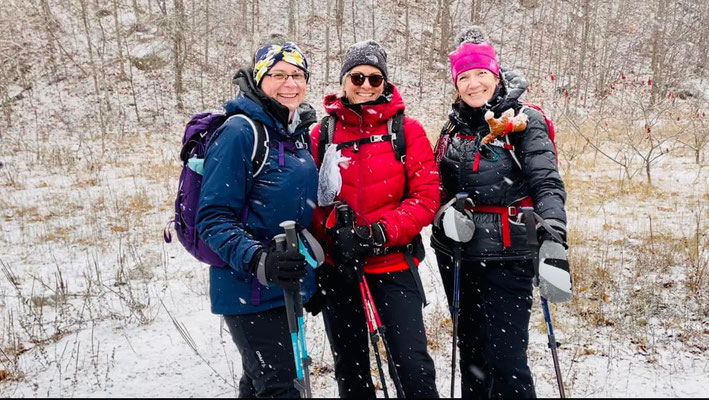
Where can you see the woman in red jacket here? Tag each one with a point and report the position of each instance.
(388, 200)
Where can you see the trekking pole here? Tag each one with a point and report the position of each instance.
(553, 344)
(534, 244)
(372, 317)
(381, 333)
(459, 205)
(294, 311)
(373, 336)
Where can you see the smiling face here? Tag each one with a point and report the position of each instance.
(476, 86)
(362, 94)
(290, 92)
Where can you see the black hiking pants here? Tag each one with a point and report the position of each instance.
(263, 340)
(493, 327)
(400, 308)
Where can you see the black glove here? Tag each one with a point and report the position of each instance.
(325, 278)
(543, 235)
(353, 244)
(280, 267)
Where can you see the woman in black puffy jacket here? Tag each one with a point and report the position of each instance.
(514, 170)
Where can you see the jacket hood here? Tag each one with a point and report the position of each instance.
(370, 113)
(253, 102)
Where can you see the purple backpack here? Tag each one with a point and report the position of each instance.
(199, 132)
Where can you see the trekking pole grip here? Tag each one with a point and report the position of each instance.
(291, 237)
(460, 199)
(280, 240)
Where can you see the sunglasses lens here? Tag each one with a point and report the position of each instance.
(376, 80)
(358, 79)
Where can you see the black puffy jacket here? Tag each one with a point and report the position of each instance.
(497, 180)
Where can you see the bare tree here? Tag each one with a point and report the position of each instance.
(407, 32)
(49, 27)
(136, 11)
(327, 40)
(446, 30)
(119, 38)
(582, 69)
(656, 63)
(339, 22)
(475, 8)
(94, 71)
(205, 64)
(354, 21)
(179, 51)
(291, 18)
(372, 12)
(694, 131)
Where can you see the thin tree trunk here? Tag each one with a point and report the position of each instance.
(657, 47)
(429, 65)
(445, 30)
(94, 72)
(580, 73)
(339, 21)
(703, 58)
(291, 19)
(136, 11)
(354, 22)
(6, 106)
(407, 32)
(475, 7)
(179, 50)
(205, 64)
(372, 12)
(119, 39)
(49, 28)
(327, 40)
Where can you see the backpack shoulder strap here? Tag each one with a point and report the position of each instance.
(516, 155)
(327, 132)
(259, 154)
(396, 129)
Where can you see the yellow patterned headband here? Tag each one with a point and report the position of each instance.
(270, 54)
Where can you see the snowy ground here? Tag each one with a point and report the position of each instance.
(117, 335)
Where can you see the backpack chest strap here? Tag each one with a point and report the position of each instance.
(370, 139)
(282, 146)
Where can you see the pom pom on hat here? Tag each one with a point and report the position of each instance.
(474, 34)
(474, 51)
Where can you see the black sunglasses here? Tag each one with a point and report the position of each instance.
(358, 79)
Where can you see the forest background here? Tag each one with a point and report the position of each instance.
(94, 95)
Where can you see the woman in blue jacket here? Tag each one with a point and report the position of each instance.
(240, 212)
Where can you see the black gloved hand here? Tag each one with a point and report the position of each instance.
(280, 267)
(543, 235)
(324, 277)
(353, 244)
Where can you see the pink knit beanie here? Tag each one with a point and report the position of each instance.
(474, 51)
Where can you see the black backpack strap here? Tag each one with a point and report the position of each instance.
(411, 250)
(259, 154)
(396, 129)
(327, 129)
(305, 140)
(366, 140)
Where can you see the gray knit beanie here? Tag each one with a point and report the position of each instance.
(367, 52)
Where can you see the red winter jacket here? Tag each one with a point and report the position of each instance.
(373, 182)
